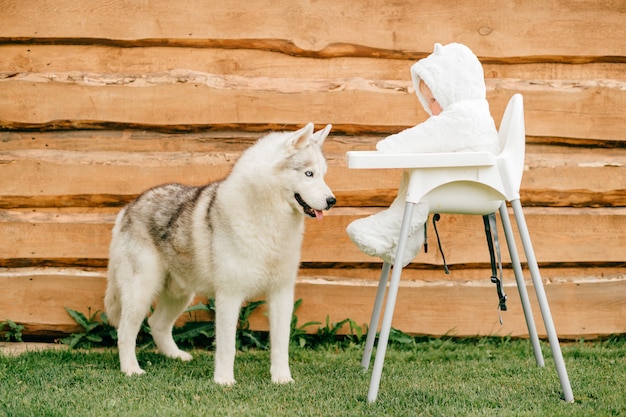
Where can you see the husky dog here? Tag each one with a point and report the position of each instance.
(233, 239)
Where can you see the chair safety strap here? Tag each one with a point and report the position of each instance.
(491, 232)
(436, 218)
(426, 236)
(493, 243)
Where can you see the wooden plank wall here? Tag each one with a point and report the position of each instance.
(100, 100)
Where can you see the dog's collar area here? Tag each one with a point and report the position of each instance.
(308, 210)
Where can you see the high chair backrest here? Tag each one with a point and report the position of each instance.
(512, 137)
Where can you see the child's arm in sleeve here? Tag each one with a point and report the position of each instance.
(444, 133)
(425, 137)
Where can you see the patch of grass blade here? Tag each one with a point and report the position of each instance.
(473, 377)
(482, 376)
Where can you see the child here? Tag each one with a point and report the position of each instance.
(450, 85)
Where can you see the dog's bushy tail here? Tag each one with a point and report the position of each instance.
(112, 303)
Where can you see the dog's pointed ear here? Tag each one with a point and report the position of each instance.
(320, 135)
(300, 138)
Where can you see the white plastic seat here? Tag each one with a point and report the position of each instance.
(464, 183)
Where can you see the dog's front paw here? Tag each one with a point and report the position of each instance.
(225, 381)
(133, 371)
(282, 379)
(281, 374)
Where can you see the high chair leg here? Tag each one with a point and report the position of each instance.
(378, 304)
(521, 285)
(543, 301)
(385, 328)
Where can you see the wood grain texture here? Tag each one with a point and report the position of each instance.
(589, 110)
(39, 297)
(46, 58)
(491, 29)
(58, 168)
(559, 235)
(100, 100)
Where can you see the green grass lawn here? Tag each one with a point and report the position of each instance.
(439, 377)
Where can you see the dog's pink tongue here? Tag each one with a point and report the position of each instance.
(319, 215)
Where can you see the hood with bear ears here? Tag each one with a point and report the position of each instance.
(452, 72)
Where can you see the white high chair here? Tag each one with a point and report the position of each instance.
(463, 183)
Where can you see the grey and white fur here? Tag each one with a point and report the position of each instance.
(234, 240)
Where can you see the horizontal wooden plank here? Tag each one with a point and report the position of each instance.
(39, 297)
(581, 307)
(571, 109)
(143, 141)
(58, 168)
(553, 109)
(588, 28)
(560, 235)
(33, 58)
(254, 103)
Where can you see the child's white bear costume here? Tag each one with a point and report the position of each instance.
(456, 80)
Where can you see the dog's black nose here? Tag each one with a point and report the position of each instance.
(330, 201)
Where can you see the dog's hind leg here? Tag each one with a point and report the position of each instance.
(130, 323)
(227, 309)
(138, 290)
(168, 308)
(280, 309)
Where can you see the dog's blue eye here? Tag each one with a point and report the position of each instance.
(309, 173)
